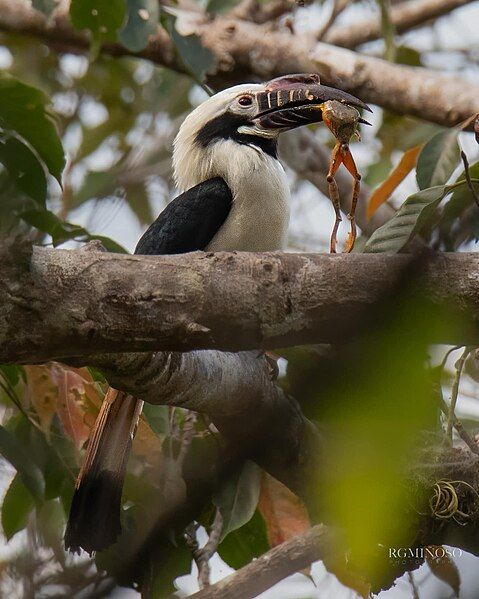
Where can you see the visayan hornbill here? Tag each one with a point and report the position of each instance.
(235, 196)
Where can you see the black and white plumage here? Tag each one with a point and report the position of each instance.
(234, 187)
(235, 196)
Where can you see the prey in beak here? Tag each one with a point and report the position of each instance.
(295, 100)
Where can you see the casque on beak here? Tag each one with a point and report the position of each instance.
(294, 100)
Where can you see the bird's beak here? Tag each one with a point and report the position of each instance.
(294, 100)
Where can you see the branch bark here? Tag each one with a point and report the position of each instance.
(272, 567)
(245, 50)
(404, 16)
(62, 303)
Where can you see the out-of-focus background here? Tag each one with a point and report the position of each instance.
(117, 117)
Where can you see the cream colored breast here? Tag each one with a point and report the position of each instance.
(259, 218)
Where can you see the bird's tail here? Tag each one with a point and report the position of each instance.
(94, 521)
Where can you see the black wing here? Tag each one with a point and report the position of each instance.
(190, 221)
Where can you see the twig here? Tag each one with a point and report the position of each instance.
(455, 390)
(256, 12)
(412, 582)
(202, 556)
(209, 549)
(337, 9)
(275, 565)
(461, 431)
(468, 177)
(445, 409)
(187, 436)
(404, 16)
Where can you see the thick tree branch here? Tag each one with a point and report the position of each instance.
(81, 303)
(404, 16)
(237, 392)
(245, 50)
(275, 565)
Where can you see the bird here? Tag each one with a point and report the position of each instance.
(234, 196)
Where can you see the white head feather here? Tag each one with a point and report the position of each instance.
(260, 214)
(192, 163)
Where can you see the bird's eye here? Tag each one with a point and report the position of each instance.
(245, 100)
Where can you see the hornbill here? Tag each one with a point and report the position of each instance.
(235, 197)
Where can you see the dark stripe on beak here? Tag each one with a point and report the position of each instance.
(295, 100)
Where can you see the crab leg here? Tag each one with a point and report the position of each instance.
(334, 164)
(349, 163)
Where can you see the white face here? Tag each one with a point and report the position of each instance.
(236, 101)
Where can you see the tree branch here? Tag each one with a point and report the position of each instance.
(83, 303)
(275, 565)
(404, 16)
(245, 50)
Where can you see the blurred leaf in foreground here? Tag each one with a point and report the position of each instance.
(382, 403)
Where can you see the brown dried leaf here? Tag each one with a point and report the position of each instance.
(443, 567)
(42, 394)
(398, 174)
(147, 444)
(284, 513)
(71, 401)
(346, 576)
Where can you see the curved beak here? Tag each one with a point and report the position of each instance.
(294, 100)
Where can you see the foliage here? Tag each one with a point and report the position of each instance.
(111, 122)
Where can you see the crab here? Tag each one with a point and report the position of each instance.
(342, 120)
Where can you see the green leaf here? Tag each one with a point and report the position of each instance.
(438, 159)
(238, 497)
(246, 543)
(409, 56)
(24, 109)
(220, 6)
(97, 376)
(174, 562)
(50, 522)
(461, 198)
(24, 168)
(13, 373)
(157, 418)
(17, 506)
(12, 450)
(141, 22)
(62, 231)
(169, 560)
(44, 6)
(103, 18)
(197, 59)
(413, 214)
